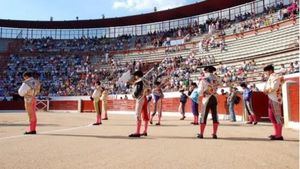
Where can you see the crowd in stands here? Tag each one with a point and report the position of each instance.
(275, 13)
(235, 74)
(74, 74)
(292, 68)
(175, 72)
(210, 43)
(60, 75)
(103, 45)
(180, 73)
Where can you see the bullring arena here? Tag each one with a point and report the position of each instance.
(236, 61)
(69, 141)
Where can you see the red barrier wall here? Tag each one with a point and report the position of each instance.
(293, 97)
(41, 105)
(63, 105)
(88, 106)
(260, 104)
(223, 108)
(12, 105)
(169, 105)
(121, 105)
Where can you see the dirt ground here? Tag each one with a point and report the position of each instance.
(67, 140)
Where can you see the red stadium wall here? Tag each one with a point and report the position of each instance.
(260, 101)
(121, 105)
(294, 102)
(88, 106)
(293, 97)
(63, 105)
(169, 105)
(260, 104)
(12, 105)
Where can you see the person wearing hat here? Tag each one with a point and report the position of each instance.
(29, 89)
(183, 100)
(273, 90)
(157, 99)
(138, 92)
(208, 89)
(96, 98)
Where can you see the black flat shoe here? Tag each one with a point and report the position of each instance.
(144, 134)
(276, 138)
(151, 122)
(135, 135)
(200, 136)
(97, 124)
(157, 124)
(30, 132)
(105, 118)
(214, 136)
(271, 136)
(182, 118)
(255, 123)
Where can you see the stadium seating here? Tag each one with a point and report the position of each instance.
(81, 61)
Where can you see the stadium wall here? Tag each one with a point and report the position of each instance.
(171, 103)
(290, 91)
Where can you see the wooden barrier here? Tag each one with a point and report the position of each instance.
(88, 106)
(63, 105)
(294, 102)
(12, 105)
(260, 105)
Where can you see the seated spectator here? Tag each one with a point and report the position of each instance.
(291, 68)
(296, 67)
(282, 70)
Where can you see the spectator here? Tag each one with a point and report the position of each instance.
(183, 100)
(247, 96)
(231, 101)
(282, 70)
(291, 68)
(296, 67)
(223, 92)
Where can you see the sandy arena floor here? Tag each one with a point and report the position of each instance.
(68, 140)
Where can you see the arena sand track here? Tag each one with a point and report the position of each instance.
(68, 141)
